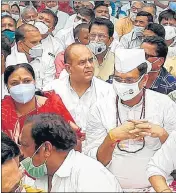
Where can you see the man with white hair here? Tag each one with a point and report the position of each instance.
(28, 16)
(126, 128)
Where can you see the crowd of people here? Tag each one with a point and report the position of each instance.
(88, 99)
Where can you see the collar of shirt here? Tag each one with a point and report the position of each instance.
(65, 168)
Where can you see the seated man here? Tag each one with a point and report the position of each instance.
(8, 27)
(47, 141)
(28, 16)
(79, 89)
(126, 128)
(160, 79)
(62, 16)
(66, 36)
(5, 9)
(134, 38)
(12, 180)
(167, 17)
(154, 29)
(125, 25)
(81, 35)
(162, 164)
(101, 36)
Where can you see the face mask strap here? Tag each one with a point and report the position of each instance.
(37, 150)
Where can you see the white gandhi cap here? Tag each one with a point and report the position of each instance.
(92, 2)
(127, 60)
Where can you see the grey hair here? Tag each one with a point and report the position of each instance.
(151, 5)
(26, 9)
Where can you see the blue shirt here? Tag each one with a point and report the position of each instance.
(165, 82)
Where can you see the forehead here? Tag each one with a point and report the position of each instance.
(21, 72)
(99, 29)
(132, 74)
(5, 7)
(30, 12)
(149, 49)
(148, 9)
(102, 8)
(149, 33)
(141, 18)
(137, 4)
(76, 53)
(35, 34)
(8, 20)
(46, 16)
(83, 31)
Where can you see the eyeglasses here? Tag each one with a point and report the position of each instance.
(126, 80)
(101, 37)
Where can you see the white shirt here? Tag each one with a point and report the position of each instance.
(15, 57)
(164, 161)
(70, 21)
(80, 173)
(66, 37)
(129, 168)
(79, 107)
(62, 20)
(130, 40)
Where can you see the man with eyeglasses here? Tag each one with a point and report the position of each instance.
(100, 38)
(125, 25)
(160, 79)
(125, 128)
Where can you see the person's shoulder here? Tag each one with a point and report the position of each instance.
(61, 13)
(158, 98)
(102, 84)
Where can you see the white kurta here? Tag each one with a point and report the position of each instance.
(164, 161)
(70, 21)
(130, 168)
(62, 20)
(79, 106)
(80, 173)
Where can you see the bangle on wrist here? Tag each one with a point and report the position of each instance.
(113, 138)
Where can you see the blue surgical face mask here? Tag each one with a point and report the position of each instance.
(9, 34)
(4, 13)
(34, 171)
(172, 6)
(22, 93)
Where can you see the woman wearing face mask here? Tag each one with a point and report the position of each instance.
(15, 12)
(23, 102)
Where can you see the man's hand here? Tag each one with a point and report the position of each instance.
(122, 132)
(78, 131)
(150, 129)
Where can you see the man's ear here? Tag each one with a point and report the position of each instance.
(19, 46)
(48, 148)
(110, 40)
(68, 68)
(162, 60)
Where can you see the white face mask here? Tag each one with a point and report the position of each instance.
(36, 51)
(42, 27)
(54, 9)
(127, 91)
(132, 15)
(16, 17)
(139, 31)
(97, 47)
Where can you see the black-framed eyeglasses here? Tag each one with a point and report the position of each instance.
(126, 80)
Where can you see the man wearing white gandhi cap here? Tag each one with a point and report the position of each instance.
(126, 128)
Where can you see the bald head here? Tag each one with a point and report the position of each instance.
(73, 50)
